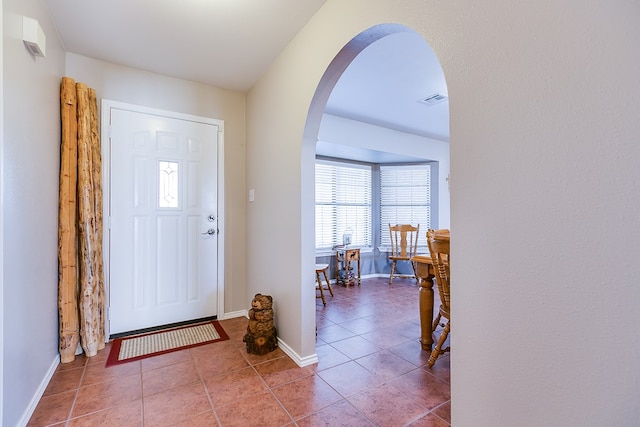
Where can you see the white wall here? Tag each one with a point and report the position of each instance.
(138, 87)
(549, 172)
(1, 216)
(30, 175)
(544, 197)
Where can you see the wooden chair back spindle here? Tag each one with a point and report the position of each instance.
(439, 249)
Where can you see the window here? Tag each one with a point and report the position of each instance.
(405, 198)
(343, 200)
(168, 184)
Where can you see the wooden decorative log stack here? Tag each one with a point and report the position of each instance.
(96, 171)
(81, 289)
(67, 272)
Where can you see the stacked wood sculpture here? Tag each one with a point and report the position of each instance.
(261, 331)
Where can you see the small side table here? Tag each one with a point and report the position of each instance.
(344, 269)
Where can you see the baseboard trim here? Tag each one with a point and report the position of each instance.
(370, 276)
(300, 361)
(39, 392)
(234, 314)
(365, 276)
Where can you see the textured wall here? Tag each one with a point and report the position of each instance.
(544, 148)
(30, 175)
(544, 202)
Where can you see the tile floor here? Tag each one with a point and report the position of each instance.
(371, 372)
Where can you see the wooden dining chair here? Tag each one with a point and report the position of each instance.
(404, 243)
(438, 241)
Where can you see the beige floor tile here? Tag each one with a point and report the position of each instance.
(371, 371)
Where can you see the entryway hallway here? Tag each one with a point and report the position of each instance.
(371, 372)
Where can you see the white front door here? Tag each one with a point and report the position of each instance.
(163, 236)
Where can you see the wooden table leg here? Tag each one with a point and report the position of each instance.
(426, 313)
(424, 270)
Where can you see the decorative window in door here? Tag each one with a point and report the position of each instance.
(168, 184)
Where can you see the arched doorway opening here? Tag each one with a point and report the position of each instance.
(337, 127)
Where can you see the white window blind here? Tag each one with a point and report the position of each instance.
(343, 200)
(405, 198)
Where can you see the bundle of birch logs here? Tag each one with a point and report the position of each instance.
(81, 296)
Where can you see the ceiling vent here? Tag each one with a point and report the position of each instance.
(436, 98)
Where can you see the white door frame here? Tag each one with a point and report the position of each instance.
(105, 133)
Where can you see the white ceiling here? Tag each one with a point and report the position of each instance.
(231, 43)
(224, 43)
(383, 86)
(385, 83)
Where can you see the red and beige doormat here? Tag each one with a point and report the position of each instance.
(136, 347)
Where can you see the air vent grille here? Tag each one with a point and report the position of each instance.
(436, 98)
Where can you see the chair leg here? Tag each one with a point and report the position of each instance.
(437, 349)
(326, 278)
(415, 273)
(436, 322)
(393, 269)
(320, 287)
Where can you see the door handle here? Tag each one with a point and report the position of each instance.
(210, 232)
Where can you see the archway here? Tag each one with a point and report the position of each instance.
(323, 93)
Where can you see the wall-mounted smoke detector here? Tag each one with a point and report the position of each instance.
(33, 36)
(436, 98)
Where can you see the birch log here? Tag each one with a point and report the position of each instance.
(96, 172)
(67, 257)
(89, 307)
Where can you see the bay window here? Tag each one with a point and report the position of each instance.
(343, 202)
(364, 199)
